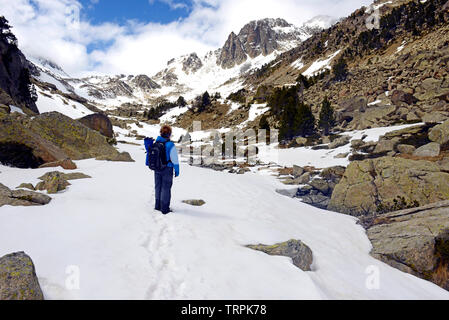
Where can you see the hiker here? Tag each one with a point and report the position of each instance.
(163, 159)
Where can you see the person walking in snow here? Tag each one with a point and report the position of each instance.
(163, 159)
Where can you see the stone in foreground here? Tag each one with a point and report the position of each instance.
(300, 253)
(18, 280)
(369, 184)
(195, 203)
(21, 197)
(415, 241)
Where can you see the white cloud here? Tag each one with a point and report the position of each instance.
(45, 28)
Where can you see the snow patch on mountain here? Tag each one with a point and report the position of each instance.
(319, 65)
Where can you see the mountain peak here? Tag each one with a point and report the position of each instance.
(260, 37)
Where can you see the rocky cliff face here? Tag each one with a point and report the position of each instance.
(261, 37)
(192, 63)
(15, 85)
(232, 52)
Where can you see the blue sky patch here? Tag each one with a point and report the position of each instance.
(119, 11)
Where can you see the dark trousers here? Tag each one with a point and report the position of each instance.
(163, 182)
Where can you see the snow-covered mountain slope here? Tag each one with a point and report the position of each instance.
(221, 70)
(105, 230)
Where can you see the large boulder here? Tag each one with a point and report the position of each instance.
(18, 280)
(99, 122)
(21, 197)
(53, 182)
(50, 137)
(15, 77)
(415, 241)
(300, 253)
(440, 133)
(57, 181)
(399, 97)
(429, 150)
(378, 183)
(339, 142)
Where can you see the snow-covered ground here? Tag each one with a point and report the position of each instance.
(106, 229)
(57, 103)
(306, 156)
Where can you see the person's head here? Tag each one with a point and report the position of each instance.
(166, 132)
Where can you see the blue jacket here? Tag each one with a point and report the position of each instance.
(172, 154)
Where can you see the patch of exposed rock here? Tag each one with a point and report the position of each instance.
(99, 122)
(195, 203)
(21, 197)
(47, 138)
(415, 241)
(300, 253)
(370, 185)
(56, 181)
(18, 280)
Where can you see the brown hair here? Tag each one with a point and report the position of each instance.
(166, 131)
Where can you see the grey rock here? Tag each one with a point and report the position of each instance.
(21, 197)
(300, 141)
(26, 186)
(18, 280)
(320, 185)
(53, 182)
(317, 200)
(406, 148)
(434, 117)
(342, 155)
(120, 157)
(291, 193)
(357, 143)
(429, 150)
(414, 240)
(300, 253)
(297, 171)
(371, 182)
(195, 203)
(385, 146)
(339, 142)
(440, 133)
(305, 178)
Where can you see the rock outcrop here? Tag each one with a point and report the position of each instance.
(375, 185)
(261, 37)
(21, 197)
(50, 137)
(195, 203)
(18, 280)
(56, 181)
(145, 83)
(232, 52)
(15, 84)
(440, 133)
(300, 253)
(415, 241)
(99, 122)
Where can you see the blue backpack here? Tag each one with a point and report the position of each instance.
(156, 155)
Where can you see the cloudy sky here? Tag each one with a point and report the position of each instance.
(140, 36)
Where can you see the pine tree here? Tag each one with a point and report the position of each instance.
(206, 99)
(5, 31)
(263, 123)
(340, 70)
(305, 120)
(327, 117)
(181, 102)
